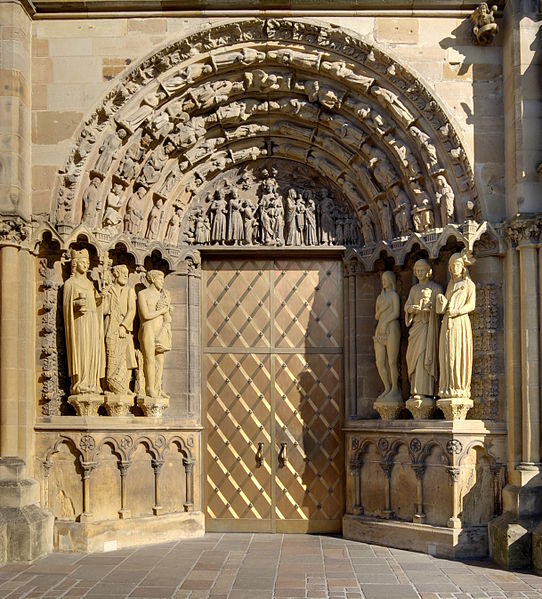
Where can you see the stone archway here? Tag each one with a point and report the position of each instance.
(321, 101)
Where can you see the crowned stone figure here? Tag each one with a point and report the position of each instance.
(83, 325)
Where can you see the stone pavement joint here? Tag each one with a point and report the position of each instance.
(259, 566)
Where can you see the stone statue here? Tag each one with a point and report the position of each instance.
(156, 216)
(421, 355)
(251, 222)
(108, 151)
(113, 206)
(427, 149)
(386, 340)
(293, 236)
(174, 226)
(311, 237)
(235, 223)
(134, 213)
(367, 228)
(92, 205)
(327, 218)
(83, 325)
(154, 308)
(390, 100)
(343, 71)
(445, 199)
(484, 26)
(219, 208)
(455, 343)
(186, 76)
(385, 218)
(119, 311)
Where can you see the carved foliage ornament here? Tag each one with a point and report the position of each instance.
(140, 158)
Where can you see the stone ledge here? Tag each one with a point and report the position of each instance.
(434, 540)
(109, 535)
(427, 426)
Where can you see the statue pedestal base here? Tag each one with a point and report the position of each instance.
(153, 406)
(86, 404)
(118, 404)
(389, 406)
(455, 408)
(420, 406)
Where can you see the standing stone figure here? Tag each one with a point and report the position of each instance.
(235, 223)
(219, 208)
(386, 340)
(154, 308)
(83, 326)
(421, 355)
(455, 343)
(119, 311)
(92, 204)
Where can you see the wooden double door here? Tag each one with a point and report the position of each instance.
(273, 378)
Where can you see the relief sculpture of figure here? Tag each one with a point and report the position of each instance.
(219, 208)
(83, 325)
(235, 224)
(445, 199)
(387, 340)
(119, 311)
(154, 308)
(455, 342)
(92, 204)
(421, 355)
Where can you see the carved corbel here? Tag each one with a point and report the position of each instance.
(484, 27)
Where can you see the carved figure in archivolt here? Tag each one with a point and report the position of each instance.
(108, 151)
(390, 100)
(341, 70)
(156, 216)
(83, 326)
(455, 344)
(92, 205)
(154, 309)
(367, 228)
(445, 200)
(113, 206)
(119, 310)
(186, 76)
(174, 226)
(387, 338)
(134, 212)
(423, 320)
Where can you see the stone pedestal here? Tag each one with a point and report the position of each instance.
(119, 405)
(153, 406)
(425, 485)
(420, 406)
(455, 408)
(86, 404)
(26, 530)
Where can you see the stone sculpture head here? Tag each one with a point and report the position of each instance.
(389, 280)
(120, 274)
(80, 261)
(457, 265)
(422, 270)
(156, 278)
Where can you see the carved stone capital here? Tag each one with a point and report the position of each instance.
(123, 467)
(88, 468)
(86, 404)
(188, 464)
(523, 230)
(157, 465)
(419, 470)
(13, 231)
(421, 407)
(454, 473)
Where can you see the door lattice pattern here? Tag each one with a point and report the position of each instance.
(273, 376)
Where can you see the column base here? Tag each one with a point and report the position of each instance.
(510, 542)
(26, 529)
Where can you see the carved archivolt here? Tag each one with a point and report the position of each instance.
(239, 97)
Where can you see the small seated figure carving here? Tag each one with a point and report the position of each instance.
(485, 28)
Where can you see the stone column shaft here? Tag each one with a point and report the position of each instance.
(193, 343)
(9, 341)
(530, 346)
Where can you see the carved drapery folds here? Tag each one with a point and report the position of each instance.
(240, 99)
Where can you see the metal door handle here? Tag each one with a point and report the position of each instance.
(283, 455)
(259, 456)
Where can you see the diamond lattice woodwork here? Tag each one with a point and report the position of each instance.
(273, 382)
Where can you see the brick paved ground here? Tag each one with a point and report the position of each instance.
(246, 566)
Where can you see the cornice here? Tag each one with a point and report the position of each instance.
(244, 8)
